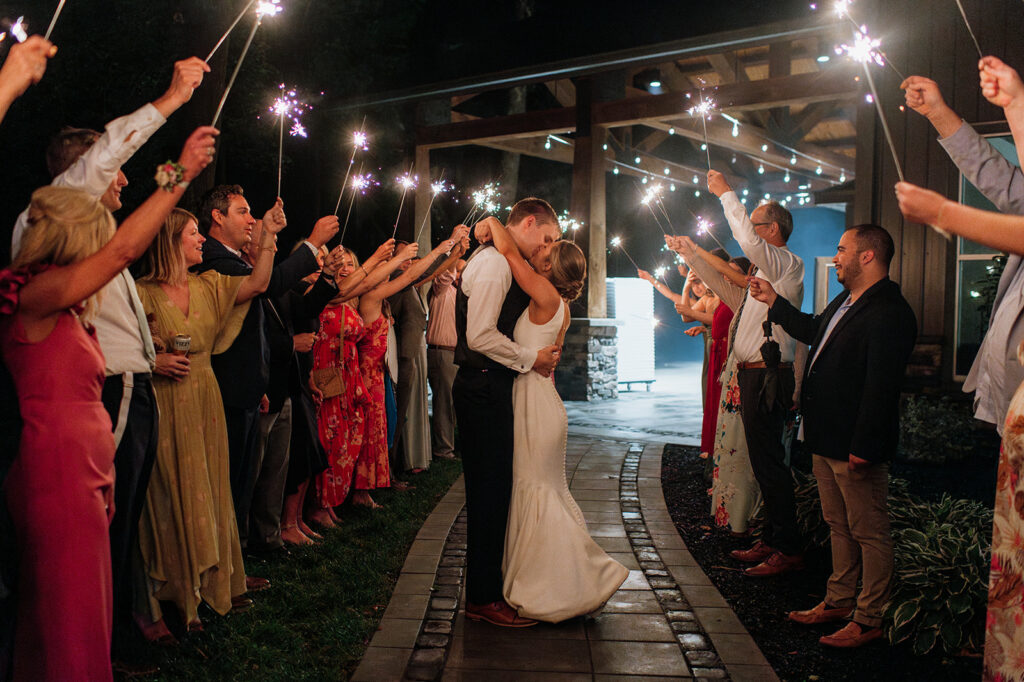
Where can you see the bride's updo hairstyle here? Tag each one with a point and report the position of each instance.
(568, 270)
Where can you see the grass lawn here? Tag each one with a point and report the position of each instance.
(324, 604)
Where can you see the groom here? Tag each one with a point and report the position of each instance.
(487, 306)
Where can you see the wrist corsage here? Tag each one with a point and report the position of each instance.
(170, 175)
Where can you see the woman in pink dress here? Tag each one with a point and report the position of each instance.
(372, 468)
(60, 486)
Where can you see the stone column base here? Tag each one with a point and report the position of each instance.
(589, 366)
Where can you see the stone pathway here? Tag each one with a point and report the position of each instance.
(666, 622)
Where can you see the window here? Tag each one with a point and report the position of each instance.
(976, 274)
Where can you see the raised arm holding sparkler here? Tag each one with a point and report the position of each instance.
(24, 66)
(660, 286)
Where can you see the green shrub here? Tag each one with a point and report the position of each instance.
(942, 563)
(936, 429)
(942, 549)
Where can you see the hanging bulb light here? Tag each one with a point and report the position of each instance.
(760, 169)
(764, 147)
(735, 129)
(817, 170)
(696, 180)
(671, 131)
(644, 180)
(696, 192)
(636, 160)
(615, 171)
(703, 147)
(786, 178)
(672, 187)
(547, 143)
(792, 160)
(842, 176)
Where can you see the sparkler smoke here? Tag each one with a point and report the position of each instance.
(406, 182)
(241, 15)
(263, 9)
(970, 30)
(53, 21)
(616, 243)
(359, 141)
(439, 187)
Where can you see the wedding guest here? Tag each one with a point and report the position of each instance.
(336, 381)
(412, 441)
(91, 161)
(372, 468)
(242, 369)
(70, 251)
(441, 362)
(190, 545)
(1002, 86)
(860, 345)
(735, 495)
(24, 66)
(995, 373)
(763, 236)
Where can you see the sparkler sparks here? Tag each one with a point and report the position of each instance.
(616, 243)
(438, 187)
(487, 198)
(704, 228)
(267, 8)
(287, 105)
(406, 182)
(704, 109)
(569, 224)
(18, 30)
(864, 49)
(360, 140)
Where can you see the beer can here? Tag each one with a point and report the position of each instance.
(181, 344)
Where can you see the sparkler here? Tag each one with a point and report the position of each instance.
(486, 197)
(704, 228)
(359, 141)
(18, 30)
(287, 105)
(53, 21)
(616, 243)
(406, 182)
(652, 197)
(704, 110)
(865, 51)
(569, 224)
(970, 30)
(265, 8)
(439, 187)
(360, 183)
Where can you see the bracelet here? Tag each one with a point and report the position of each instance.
(170, 175)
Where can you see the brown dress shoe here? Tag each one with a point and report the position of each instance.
(851, 636)
(822, 613)
(240, 603)
(498, 613)
(755, 555)
(777, 564)
(256, 584)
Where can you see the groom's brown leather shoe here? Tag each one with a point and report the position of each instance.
(498, 613)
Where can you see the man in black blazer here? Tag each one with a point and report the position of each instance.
(860, 345)
(243, 370)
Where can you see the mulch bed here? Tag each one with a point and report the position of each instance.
(761, 604)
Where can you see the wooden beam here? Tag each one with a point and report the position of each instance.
(651, 142)
(533, 147)
(530, 124)
(729, 69)
(754, 95)
(806, 120)
(564, 91)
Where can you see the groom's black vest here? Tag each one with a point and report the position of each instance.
(516, 301)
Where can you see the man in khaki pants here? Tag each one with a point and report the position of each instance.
(860, 345)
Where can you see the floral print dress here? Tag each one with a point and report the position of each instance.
(340, 419)
(1004, 627)
(373, 469)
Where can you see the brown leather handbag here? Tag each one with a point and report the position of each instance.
(329, 381)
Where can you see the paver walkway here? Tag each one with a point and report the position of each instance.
(666, 622)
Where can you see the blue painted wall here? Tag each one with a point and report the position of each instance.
(816, 232)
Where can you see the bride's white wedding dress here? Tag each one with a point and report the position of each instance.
(552, 568)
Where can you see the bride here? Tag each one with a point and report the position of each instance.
(552, 568)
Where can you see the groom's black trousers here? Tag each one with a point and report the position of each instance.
(483, 411)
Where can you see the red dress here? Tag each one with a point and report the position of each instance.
(340, 419)
(373, 469)
(60, 496)
(716, 361)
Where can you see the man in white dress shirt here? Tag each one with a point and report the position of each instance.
(89, 161)
(487, 306)
(763, 236)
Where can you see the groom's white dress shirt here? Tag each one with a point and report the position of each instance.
(485, 282)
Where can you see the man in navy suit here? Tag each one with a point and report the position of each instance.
(243, 370)
(860, 345)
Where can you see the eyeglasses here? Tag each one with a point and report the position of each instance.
(760, 224)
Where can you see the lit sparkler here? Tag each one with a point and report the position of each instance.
(486, 198)
(241, 15)
(18, 30)
(568, 224)
(360, 184)
(704, 228)
(616, 243)
(704, 110)
(287, 105)
(406, 182)
(865, 51)
(53, 21)
(439, 187)
(263, 9)
(650, 199)
(359, 141)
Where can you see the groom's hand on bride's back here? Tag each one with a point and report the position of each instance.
(547, 360)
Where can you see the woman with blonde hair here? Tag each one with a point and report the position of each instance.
(59, 488)
(188, 533)
(552, 568)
